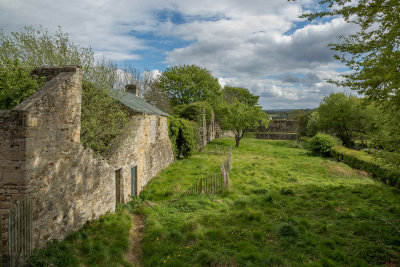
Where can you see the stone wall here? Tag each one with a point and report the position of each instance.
(139, 147)
(41, 154)
(278, 130)
(277, 136)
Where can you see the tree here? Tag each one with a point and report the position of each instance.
(16, 84)
(243, 95)
(313, 124)
(36, 47)
(238, 116)
(189, 83)
(345, 116)
(103, 118)
(373, 52)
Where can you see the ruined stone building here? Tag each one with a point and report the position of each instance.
(50, 185)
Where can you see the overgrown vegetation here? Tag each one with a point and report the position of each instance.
(100, 126)
(363, 161)
(16, 83)
(285, 208)
(102, 242)
(103, 118)
(183, 136)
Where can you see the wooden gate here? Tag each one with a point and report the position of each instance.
(20, 239)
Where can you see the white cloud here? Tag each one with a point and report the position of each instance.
(245, 44)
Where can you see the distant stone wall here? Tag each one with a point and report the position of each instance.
(276, 136)
(280, 126)
(41, 154)
(278, 130)
(139, 147)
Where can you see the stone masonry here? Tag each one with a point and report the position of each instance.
(41, 154)
(146, 146)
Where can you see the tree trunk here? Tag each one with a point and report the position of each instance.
(237, 138)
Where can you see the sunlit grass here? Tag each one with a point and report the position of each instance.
(285, 208)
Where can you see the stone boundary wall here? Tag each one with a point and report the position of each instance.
(280, 126)
(41, 154)
(277, 136)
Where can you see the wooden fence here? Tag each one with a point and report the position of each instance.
(214, 184)
(20, 239)
(216, 149)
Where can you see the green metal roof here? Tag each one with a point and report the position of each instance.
(136, 103)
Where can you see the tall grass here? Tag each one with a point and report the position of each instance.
(101, 242)
(286, 208)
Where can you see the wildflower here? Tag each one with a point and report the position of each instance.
(157, 238)
(187, 246)
(347, 209)
(168, 257)
(165, 261)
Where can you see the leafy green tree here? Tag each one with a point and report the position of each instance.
(188, 84)
(100, 126)
(36, 47)
(372, 53)
(16, 84)
(103, 118)
(345, 116)
(243, 95)
(238, 116)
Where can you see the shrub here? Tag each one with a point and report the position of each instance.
(321, 144)
(361, 160)
(182, 136)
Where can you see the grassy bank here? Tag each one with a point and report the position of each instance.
(102, 242)
(285, 208)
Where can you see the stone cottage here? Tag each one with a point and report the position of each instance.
(50, 185)
(143, 150)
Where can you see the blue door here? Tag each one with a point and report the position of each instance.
(134, 181)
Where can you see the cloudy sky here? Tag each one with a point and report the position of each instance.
(262, 45)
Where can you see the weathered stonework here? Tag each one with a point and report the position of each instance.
(139, 148)
(41, 155)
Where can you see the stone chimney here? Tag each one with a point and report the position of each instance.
(132, 88)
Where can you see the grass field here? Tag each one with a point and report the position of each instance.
(102, 242)
(285, 208)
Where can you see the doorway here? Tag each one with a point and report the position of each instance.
(134, 181)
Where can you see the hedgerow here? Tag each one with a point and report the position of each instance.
(363, 161)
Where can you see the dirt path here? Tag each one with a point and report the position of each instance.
(134, 254)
